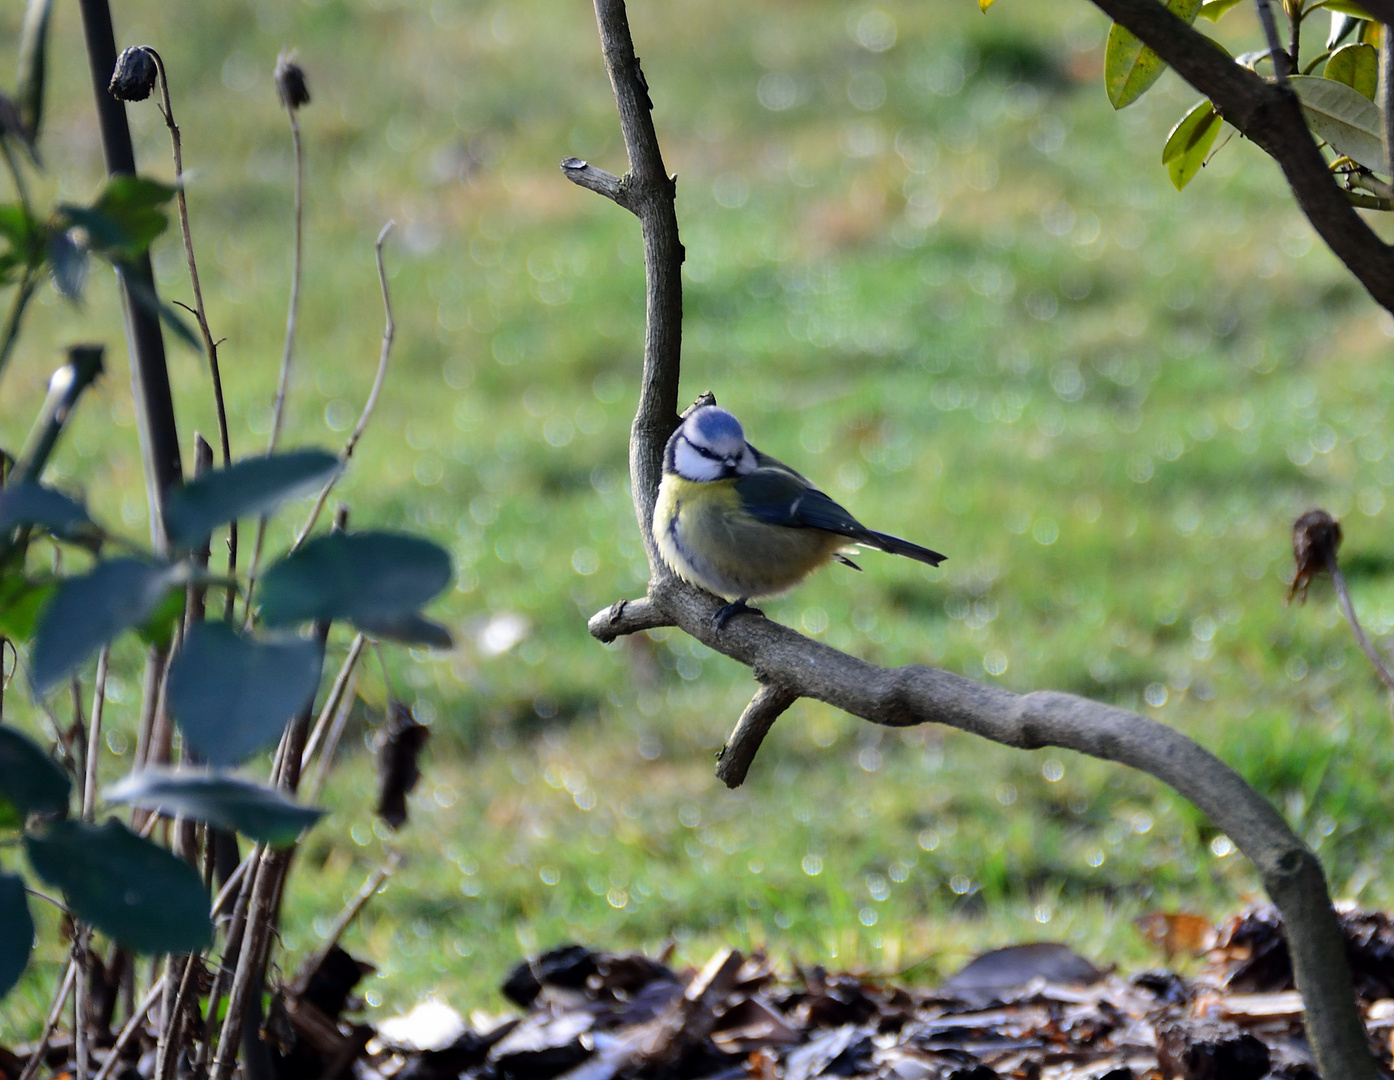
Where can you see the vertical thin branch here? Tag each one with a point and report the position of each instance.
(388, 334)
(331, 742)
(94, 736)
(159, 432)
(337, 693)
(1363, 639)
(210, 346)
(10, 334)
(1282, 64)
(1385, 92)
(292, 312)
(82, 1037)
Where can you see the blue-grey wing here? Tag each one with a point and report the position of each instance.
(777, 495)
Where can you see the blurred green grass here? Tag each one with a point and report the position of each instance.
(926, 264)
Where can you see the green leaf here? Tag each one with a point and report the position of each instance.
(1341, 27)
(29, 89)
(134, 891)
(87, 612)
(1347, 7)
(253, 486)
(1213, 9)
(1357, 66)
(16, 931)
(1130, 67)
(126, 217)
(233, 695)
(21, 600)
(412, 628)
(230, 802)
(367, 575)
(30, 780)
(1189, 142)
(157, 631)
(27, 503)
(1344, 117)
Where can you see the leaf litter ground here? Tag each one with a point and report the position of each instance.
(1035, 1011)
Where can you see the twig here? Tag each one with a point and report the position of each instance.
(1367, 646)
(331, 742)
(171, 1030)
(23, 294)
(130, 1031)
(765, 708)
(31, 1067)
(210, 346)
(331, 703)
(1385, 92)
(94, 736)
(1291, 873)
(82, 1037)
(292, 312)
(1282, 62)
(312, 963)
(388, 334)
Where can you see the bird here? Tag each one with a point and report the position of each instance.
(741, 524)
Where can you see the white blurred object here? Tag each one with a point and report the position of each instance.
(431, 1025)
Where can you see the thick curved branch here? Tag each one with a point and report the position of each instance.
(768, 705)
(789, 665)
(1270, 116)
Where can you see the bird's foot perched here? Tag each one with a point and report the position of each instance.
(726, 613)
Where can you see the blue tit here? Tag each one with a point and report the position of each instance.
(742, 525)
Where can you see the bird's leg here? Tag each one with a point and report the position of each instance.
(723, 615)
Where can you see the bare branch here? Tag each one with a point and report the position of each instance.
(765, 708)
(781, 658)
(1272, 117)
(1282, 62)
(55, 1012)
(130, 1031)
(310, 966)
(583, 174)
(389, 333)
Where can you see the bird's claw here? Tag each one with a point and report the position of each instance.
(725, 614)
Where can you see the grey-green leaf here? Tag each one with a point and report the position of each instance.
(230, 802)
(134, 891)
(253, 486)
(412, 628)
(33, 45)
(1344, 117)
(367, 575)
(67, 260)
(30, 780)
(233, 695)
(27, 503)
(87, 612)
(16, 931)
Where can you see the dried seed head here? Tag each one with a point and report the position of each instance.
(135, 73)
(290, 82)
(1316, 536)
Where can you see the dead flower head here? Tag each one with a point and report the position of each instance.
(1316, 536)
(290, 82)
(134, 75)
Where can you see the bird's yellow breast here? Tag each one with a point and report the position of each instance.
(708, 539)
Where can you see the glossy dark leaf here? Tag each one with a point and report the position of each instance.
(230, 802)
(21, 600)
(87, 612)
(67, 263)
(33, 49)
(132, 890)
(409, 629)
(367, 575)
(32, 504)
(251, 487)
(30, 780)
(16, 931)
(233, 695)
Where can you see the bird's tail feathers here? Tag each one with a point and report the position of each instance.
(896, 546)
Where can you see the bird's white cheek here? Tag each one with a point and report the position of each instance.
(693, 466)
